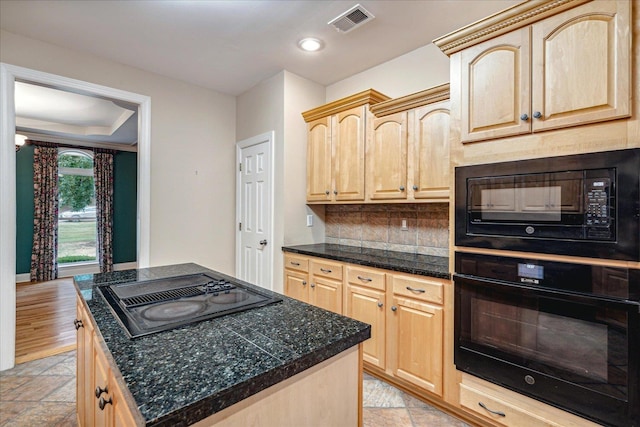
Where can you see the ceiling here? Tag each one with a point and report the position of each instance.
(230, 46)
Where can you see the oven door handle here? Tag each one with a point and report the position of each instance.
(571, 296)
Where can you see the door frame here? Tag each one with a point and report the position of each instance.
(8, 75)
(269, 138)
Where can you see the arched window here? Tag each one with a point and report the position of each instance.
(76, 209)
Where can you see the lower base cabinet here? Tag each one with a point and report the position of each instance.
(99, 401)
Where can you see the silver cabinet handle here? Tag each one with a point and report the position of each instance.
(380, 304)
(415, 188)
(499, 413)
(394, 308)
(524, 117)
(537, 115)
(402, 188)
(325, 270)
(295, 263)
(409, 288)
(365, 279)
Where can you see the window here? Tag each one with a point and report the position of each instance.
(76, 207)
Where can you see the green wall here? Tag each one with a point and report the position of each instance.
(125, 169)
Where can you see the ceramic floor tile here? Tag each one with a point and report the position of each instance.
(64, 393)
(42, 414)
(386, 417)
(9, 410)
(377, 394)
(36, 388)
(432, 417)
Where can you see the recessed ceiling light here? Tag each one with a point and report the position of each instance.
(310, 44)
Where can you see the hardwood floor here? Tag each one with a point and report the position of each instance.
(44, 319)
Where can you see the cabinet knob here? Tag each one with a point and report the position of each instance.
(537, 115)
(327, 192)
(394, 308)
(524, 117)
(415, 188)
(313, 286)
(402, 188)
(304, 282)
(102, 403)
(335, 192)
(78, 324)
(99, 391)
(380, 304)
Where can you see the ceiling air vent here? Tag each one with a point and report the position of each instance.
(351, 19)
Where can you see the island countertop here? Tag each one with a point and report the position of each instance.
(181, 376)
(424, 265)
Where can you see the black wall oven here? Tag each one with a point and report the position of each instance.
(582, 205)
(563, 333)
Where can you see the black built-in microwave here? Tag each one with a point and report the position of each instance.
(584, 205)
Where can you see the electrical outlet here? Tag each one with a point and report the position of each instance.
(404, 225)
(309, 220)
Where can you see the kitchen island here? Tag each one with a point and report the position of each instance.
(286, 363)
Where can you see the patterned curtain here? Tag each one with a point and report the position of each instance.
(44, 254)
(103, 179)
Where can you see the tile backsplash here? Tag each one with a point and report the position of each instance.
(380, 227)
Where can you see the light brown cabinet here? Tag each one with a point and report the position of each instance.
(417, 311)
(296, 277)
(325, 286)
(99, 400)
(535, 78)
(336, 148)
(365, 300)
(407, 155)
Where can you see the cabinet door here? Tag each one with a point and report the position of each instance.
(367, 305)
(122, 415)
(84, 368)
(326, 293)
(295, 285)
(102, 404)
(348, 133)
(416, 336)
(387, 158)
(429, 152)
(319, 160)
(581, 70)
(495, 87)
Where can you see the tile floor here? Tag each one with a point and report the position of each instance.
(43, 393)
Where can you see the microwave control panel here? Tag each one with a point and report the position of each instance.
(598, 206)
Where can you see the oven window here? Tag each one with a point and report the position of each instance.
(543, 198)
(579, 342)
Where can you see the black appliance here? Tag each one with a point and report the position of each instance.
(563, 333)
(151, 306)
(583, 205)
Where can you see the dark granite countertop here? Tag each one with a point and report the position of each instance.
(425, 265)
(181, 376)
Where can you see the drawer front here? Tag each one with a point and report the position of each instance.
(328, 269)
(296, 262)
(418, 288)
(512, 416)
(368, 277)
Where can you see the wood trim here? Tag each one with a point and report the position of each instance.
(503, 22)
(415, 100)
(369, 96)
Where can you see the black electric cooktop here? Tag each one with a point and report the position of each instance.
(151, 306)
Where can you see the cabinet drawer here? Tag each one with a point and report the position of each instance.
(518, 410)
(366, 277)
(326, 269)
(295, 262)
(418, 288)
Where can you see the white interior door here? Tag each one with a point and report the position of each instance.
(254, 195)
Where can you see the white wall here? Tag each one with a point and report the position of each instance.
(413, 72)
(192, 151)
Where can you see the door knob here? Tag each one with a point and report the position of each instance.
(263, 242)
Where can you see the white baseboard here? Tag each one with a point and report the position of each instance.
(81, 268)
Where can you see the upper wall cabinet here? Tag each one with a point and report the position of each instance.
(336, 148)
(542, 66)
(408, 152)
